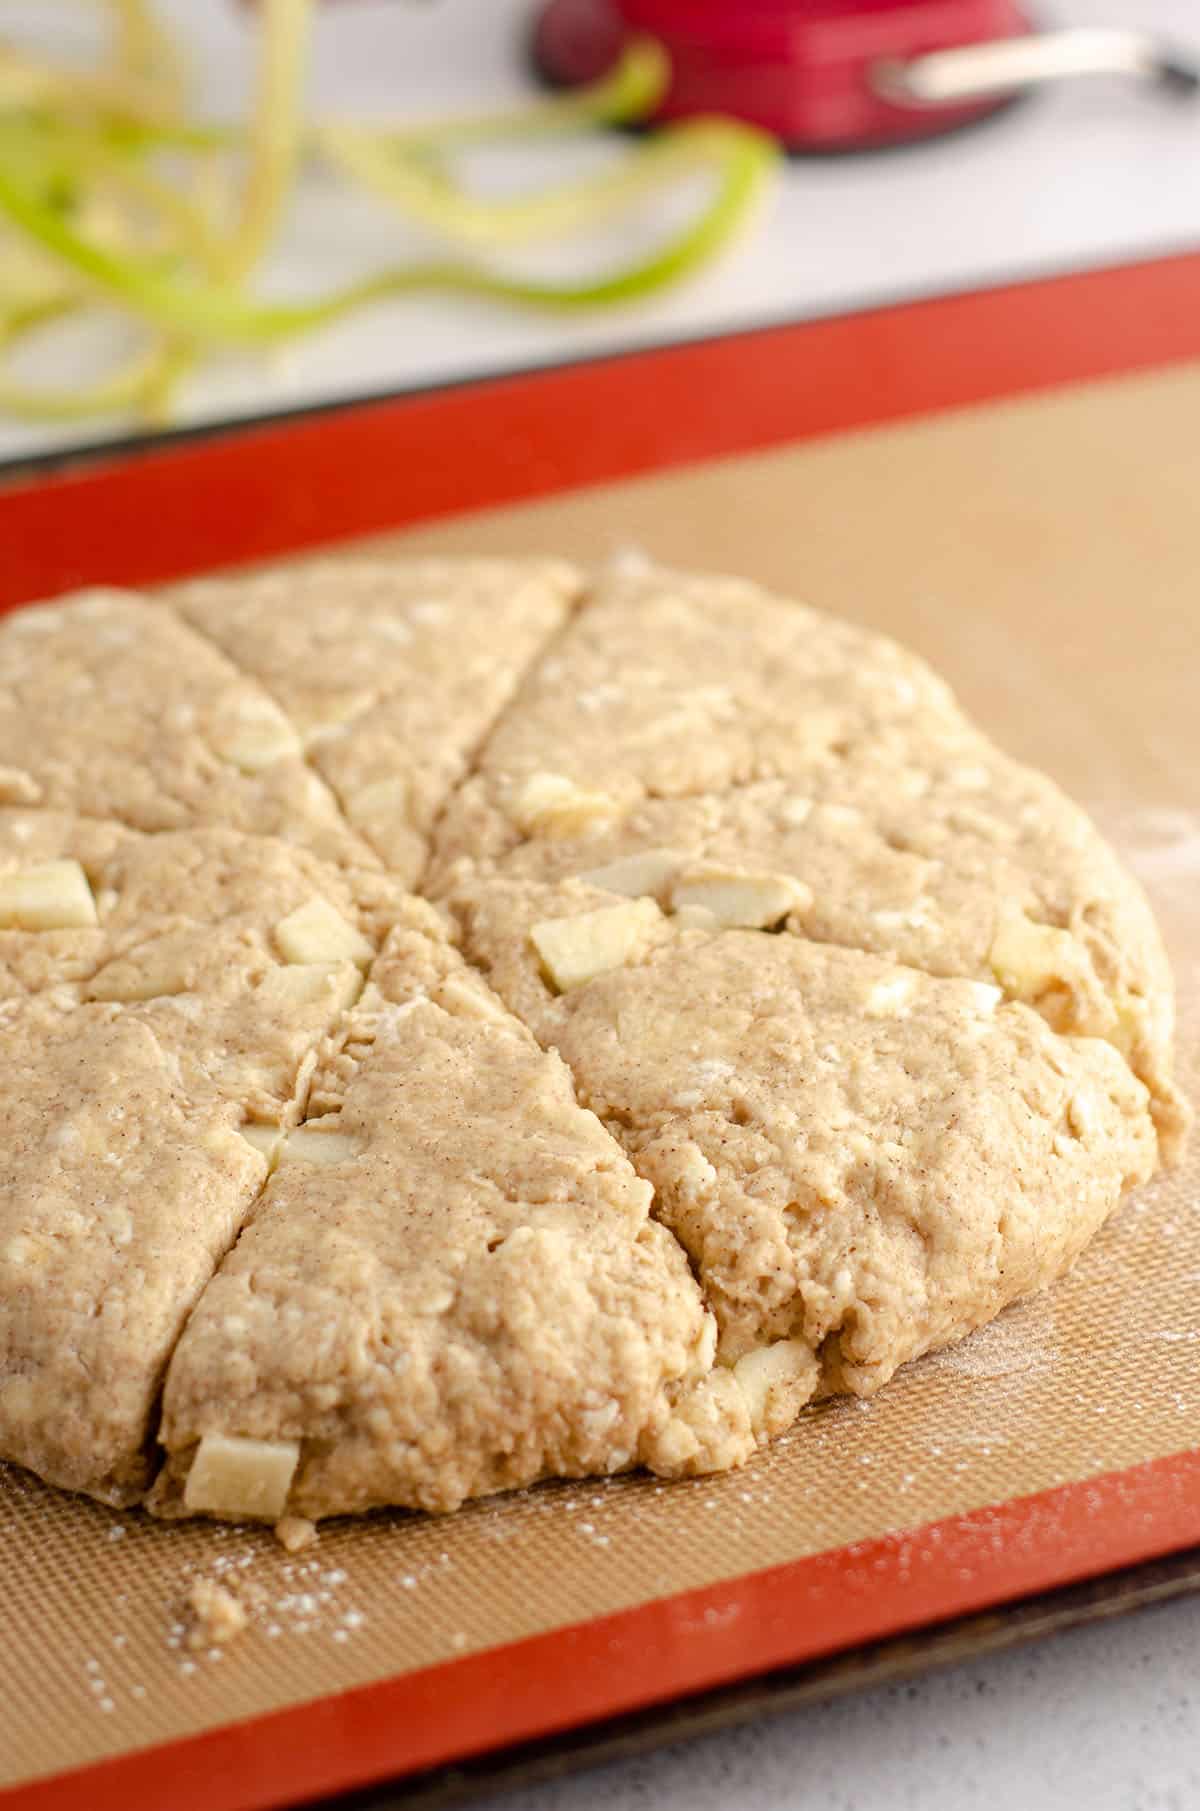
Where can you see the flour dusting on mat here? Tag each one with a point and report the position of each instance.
(1017, 1342)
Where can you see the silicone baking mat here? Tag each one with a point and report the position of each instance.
(1042, 550)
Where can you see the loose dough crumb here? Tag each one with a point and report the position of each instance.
(217, 1616)
(295, 1533)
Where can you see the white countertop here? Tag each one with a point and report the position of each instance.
(1088, 174)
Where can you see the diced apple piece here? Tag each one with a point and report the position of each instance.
(317, 932)
(18, 787)
(309, 1144)
(776, 1382)
(889, 999)
(1133, 1021)
(235, 1476)
(304, 984)
(636, 876)
(795, 811)
(740, 900)
(468, 996)
(257, 740)
(695, 918)
(1028, 958)
(843, 817)
(549, 804)
(1083, 1116)
(53, 896)
(575, 950)
(266, 1139)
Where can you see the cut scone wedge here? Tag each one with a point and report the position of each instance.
(452, 1285)
(861, 1161)
(924, 845)
(674, 685)
(390, 671)
(111, 707)
(123, 1183)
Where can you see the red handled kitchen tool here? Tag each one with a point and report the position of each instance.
(832, 75)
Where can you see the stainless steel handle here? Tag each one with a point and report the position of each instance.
(980, 72)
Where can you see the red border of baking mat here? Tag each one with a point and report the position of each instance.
(295, 483)
(275, 489)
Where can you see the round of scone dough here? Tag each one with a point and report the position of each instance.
(760, 1027)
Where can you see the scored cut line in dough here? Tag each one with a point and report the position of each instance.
(669, 685)
(391, 672)
(135, 1056)
(201, 924)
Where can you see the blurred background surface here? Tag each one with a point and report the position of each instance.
(1087, 173)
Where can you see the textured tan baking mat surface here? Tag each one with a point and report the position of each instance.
(1044, 555)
